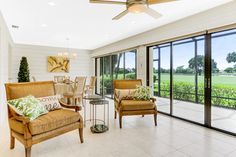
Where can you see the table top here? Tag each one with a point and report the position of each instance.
(99, 102)
(93, 97)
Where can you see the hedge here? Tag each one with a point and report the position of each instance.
(221, 95)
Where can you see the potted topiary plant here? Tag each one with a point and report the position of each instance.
(23, 74)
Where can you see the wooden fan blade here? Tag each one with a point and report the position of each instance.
(107, 2)
(121, 15)
(160, 1)
(152, 13)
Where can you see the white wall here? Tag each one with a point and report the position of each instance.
(216, 17)
(5, 46)
(37, 59)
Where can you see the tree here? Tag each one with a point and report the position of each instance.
(231, 57)
(180, 69)
(200, 64)
(229, 70)
(23, 74)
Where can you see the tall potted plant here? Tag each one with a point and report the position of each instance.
(23, 74)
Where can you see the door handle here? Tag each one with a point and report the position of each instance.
(207, 83)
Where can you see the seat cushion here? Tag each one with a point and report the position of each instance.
(53, 120)
(133, 105)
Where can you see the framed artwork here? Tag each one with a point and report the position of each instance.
(58, 64)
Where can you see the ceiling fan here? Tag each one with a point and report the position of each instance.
(135, 6)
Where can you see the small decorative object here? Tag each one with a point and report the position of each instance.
(23, 74)
(142, 93)
(58, 64)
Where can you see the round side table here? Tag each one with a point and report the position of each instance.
(90, 98)
(98, 125)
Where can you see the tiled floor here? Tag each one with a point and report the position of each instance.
(138, 138)
(222, 118)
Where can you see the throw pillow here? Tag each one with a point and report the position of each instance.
(142, 93)
(50, 102)
(124, 94)
(28, 106)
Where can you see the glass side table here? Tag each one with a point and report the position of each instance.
(98, 125)
(90, 98)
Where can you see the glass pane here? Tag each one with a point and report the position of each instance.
(187, 77)
(224, 80)
(101, 76)
(161, 77)
(118, 66)
(98, 75)
(130, 65)
(155, 55)
(107, 77)
(155, 77)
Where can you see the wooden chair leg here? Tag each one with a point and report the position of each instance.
(75, 99)
(28, 152)
(120, 121)
(115, 114)
(155, 119)
(12, 142)
(81, 136)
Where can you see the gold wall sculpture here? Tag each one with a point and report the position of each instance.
(58, 64)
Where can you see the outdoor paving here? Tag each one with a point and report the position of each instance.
(222, 118)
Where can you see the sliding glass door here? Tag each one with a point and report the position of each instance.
(195, 79)
(223, 92)
(188, 79)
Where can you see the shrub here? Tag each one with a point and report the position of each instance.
(130, 76)
(221, 95)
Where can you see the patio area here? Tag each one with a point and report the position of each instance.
(222, 118)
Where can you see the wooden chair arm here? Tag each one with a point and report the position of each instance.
(22, 119)
(65, 105)
(153, 99)
(17, 117)
(25, 121)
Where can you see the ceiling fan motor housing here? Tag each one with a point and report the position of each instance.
(132, 2)
(136, 6)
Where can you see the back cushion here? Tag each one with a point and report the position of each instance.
(127, 84)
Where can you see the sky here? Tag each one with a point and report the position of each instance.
(221, 46)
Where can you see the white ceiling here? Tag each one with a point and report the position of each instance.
(88, 26)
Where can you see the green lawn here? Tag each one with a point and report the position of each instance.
(222, 80)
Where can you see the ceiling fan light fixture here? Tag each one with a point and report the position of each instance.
(137, 8)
